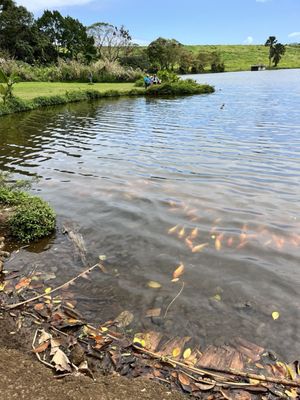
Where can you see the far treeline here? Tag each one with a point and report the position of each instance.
(58, 48)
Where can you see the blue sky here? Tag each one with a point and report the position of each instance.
(189, 21)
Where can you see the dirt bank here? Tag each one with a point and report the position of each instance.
(23, 377)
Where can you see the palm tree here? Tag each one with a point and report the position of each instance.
(271, 44)
(276, 50)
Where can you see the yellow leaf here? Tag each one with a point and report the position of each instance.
(175, 280)
(178, 271)
(254, 382)
(187, 353)
(176, 352)
(292, 393)
(2, 286)
(218, 244)
(199, 248)
(194, 233)
(104, 329)
(217, 297)
(173, 229)
(154, 285)
(140, 341)
(275, 315)
(48, 290)
(181, 233)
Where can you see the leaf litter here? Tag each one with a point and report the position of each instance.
(67, 343)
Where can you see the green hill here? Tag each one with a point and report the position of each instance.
(241, 57)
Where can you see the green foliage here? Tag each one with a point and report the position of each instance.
(183, 87)
(164, 53)
(6, 85)
(139, 83)
(33, 219)
(167, 76)
(276, 50)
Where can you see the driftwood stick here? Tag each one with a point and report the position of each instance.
(11, 306)
(176, 297)
(262, 378)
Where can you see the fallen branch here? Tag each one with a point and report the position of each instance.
(87, 271)
(37, 354)
(262, 378)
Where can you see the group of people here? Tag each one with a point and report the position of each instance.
(151, 80)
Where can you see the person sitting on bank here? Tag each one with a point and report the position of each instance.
(147, 81)
(156, 80)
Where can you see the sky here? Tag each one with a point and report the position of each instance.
(188, 21)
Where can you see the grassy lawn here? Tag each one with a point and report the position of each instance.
(30, 90)
(241, 57)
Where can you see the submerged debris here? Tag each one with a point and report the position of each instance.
(68, 344)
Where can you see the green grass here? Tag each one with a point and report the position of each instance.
(30, 90)
(241, 57)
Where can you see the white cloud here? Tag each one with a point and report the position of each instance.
(249, 40)
(294, 34)
(37, 5)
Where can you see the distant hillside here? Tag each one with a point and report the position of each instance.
(241, 57)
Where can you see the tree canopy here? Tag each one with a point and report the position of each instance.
(276, 50)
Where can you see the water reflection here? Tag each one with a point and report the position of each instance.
(155, 183)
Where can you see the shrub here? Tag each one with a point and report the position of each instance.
(168, 76)
(33, 219)
(184, 87)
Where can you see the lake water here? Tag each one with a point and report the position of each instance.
(224, 169)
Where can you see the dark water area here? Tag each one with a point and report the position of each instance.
(222, 170)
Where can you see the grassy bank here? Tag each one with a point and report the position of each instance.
(32, 95)
(241, 57)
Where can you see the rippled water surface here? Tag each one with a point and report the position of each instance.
(224, 169)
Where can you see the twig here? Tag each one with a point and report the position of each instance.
(178, 294)
(285, 382)
(11, 306)
(37, 354)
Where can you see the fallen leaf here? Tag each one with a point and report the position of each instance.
(181, 233)
(24, 282)
(39, 306)
(204, 386)
(154, 285)
(173, 229)
(48, 290)
(124, 319)
(187, 353)
(292, 393)
(153, 312)
(275, 315)
(199, 248)
(183, 379)
(55, 343)
(61, 361)
(218, 244)
(178, 271)
(42, 347)
(217, 297)
(176, 352)
(139, 341)
(44, 336)
(194, 233)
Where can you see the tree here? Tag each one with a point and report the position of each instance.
(111, 42)
(276, 50)
(164, 52)
(68, 36)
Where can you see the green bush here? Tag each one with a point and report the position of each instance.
(33, 219)
(168, 76)
(184, 87)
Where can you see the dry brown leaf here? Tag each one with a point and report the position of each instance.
(24, 282)
(55, 343)
(153, 312)
(124, 319)
(199, 248)
(204, 387)
(39, 306)
(178, 271)
(183, 379)
(44, 336)
(42, 347)
(61, 361)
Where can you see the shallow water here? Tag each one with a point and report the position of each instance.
(125, 171)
